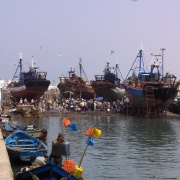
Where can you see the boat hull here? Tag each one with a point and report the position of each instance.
(32, 89)
(174, 107)
(23, 157)
(163, 95)
(40, 134)
(48, 171)
(108, 91)
(24, 148)
(78, 90)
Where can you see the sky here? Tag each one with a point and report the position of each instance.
(57, 33)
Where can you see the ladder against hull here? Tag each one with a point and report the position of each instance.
(150, 102)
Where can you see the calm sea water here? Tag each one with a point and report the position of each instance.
(129, 148)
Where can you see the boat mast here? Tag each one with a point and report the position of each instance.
(116, 70)
(140, 59)
(20, 62)
(32, 62)
(80, 67)
(162, 49)
(140, 56)
(82, 70)
(18, 67)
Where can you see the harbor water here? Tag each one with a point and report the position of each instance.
(128, 148)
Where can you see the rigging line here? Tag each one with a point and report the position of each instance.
(120, 73)
(132, 66)
(148, 59)
(85, 74)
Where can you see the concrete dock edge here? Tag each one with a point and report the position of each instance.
(5, 166)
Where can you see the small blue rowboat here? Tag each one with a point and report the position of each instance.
(46, 172)
(24, 148)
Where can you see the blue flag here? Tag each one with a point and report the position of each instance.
(90, 141)
(72, 127)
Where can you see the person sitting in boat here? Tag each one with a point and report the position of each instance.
(56, 150)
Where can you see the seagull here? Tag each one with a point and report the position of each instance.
(56, 54)
(12, 64)
(111, 52)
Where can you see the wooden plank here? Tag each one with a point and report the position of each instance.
(24, 140)
(21, 145)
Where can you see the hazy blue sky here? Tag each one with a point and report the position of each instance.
(89, 29)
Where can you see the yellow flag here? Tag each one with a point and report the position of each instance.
(96, 132)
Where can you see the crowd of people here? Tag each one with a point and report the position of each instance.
(79, 105)
(94, 105)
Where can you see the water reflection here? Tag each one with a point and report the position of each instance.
(129, 148)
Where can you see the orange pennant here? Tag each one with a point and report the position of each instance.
(89, 132)
(66, 121)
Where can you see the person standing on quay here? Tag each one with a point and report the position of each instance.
(21, 101)
(125, 105)
(56, 150)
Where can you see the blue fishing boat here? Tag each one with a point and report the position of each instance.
(150, 91)
(30, 84)
(24, 148)
(46, 172)
(8, 129)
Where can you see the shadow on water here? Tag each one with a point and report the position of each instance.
(129, 148)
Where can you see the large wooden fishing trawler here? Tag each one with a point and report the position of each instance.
(108, 84)
(150, 92)
(28, 84)
(75, 86)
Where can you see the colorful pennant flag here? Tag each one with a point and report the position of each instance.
(66, 121)
(72, 127)
(90, 141)
(89, 132)
(96, 132)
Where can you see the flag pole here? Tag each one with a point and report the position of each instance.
(60, 119)
(83, 154)
(86, 147)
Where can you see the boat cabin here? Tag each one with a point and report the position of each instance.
(148, 77)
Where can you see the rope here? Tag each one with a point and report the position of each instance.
(63, 178)
(34, 177)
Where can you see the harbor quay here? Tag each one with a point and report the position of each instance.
(5, 166)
